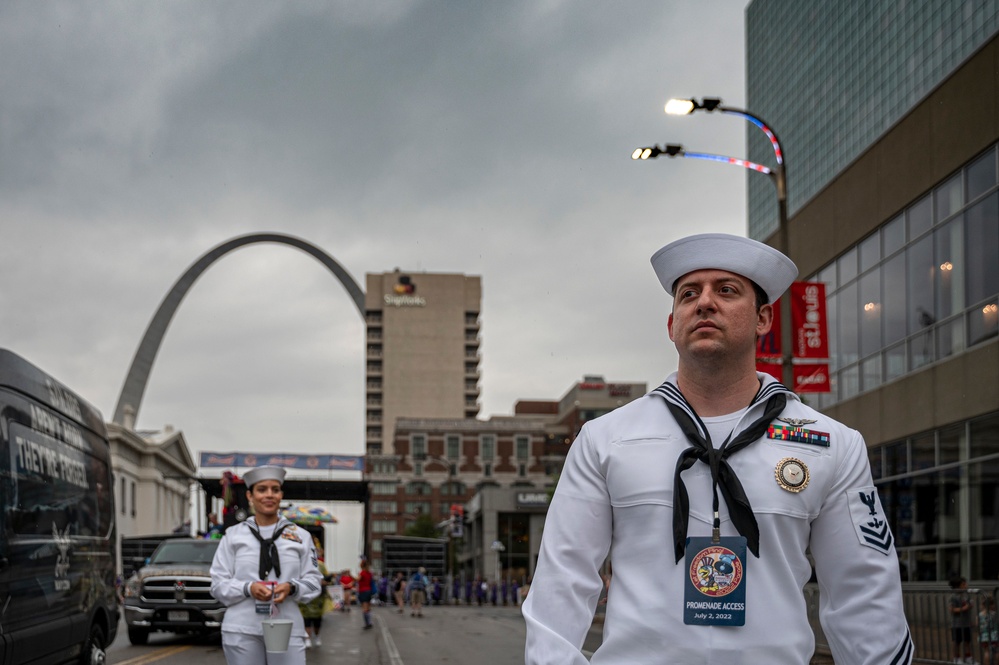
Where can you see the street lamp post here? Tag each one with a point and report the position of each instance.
(779, 177)
(448, 523)
(498, 547)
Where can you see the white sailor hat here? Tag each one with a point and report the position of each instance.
(769, 269)
(254, 476)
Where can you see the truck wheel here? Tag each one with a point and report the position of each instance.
(93, 649)
(138, 636)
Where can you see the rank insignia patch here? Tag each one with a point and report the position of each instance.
(798, 435)
(869, 519)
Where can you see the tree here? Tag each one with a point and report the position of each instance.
(422, 527)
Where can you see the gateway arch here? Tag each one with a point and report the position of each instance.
(142, 364)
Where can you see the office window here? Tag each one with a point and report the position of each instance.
(384, 507)
(384, 488)
(419, 446)
(870, 317)
(413, 508)
(487, 447)
(383, 526)
(134, 491)
(847, 265)
(453, 444)
(419, 488)
(453, 488)
(949, 264)
(981, 175)
(919, 265)
(893, 235)
(523, 444)
(848, 325)
(124, 497)
(870, 252)
(982, 248)
(919, 218)
(948, 198)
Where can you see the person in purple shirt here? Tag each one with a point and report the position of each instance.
(468, 592)
(456, 591)
(504, 589)
(383, 588)
(515, 593)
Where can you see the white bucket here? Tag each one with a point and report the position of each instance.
(277, 635)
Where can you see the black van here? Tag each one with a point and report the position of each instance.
(57, 529)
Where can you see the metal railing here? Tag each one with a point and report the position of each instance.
(928, 610)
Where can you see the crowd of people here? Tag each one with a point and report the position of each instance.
(418, 590)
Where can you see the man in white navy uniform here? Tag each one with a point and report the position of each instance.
(706, 494)
(263, 568)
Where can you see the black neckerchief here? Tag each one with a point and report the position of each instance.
(722, 474)
(268, 551)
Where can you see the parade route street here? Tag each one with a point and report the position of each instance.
(445, 634)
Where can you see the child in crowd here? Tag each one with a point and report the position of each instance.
(988, 631)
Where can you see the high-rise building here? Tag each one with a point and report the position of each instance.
(889, 118)
(832, 78)
(422, 351)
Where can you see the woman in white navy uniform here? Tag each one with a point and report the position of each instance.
(263, 562)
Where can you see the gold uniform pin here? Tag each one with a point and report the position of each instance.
(792, 474)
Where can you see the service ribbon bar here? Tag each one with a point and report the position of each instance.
(798, 435)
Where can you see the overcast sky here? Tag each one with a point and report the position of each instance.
(486, 138)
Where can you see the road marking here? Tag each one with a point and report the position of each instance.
(156, 655)
(389, 643)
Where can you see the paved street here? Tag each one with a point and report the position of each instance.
(446, 634)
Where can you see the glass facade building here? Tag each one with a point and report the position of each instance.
(940, 490)
(922, 287)
(888, 115)
(832, 77)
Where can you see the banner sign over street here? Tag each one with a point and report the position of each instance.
(287, 460)
(809, 340)
(808, 320)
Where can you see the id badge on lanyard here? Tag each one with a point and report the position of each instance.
(714, 591)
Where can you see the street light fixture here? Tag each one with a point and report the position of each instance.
(778, 175)
(674, 150)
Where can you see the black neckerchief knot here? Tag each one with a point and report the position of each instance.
(268, 551)
(722, 474)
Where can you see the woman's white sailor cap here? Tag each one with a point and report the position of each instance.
(254, 476)
(769, 269)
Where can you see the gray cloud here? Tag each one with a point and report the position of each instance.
(485, 138)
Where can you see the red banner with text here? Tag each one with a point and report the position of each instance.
(811, 378)
(808, 320)
(809, 340)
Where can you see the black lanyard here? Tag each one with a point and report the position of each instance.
(268, 552)
(722, 474)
